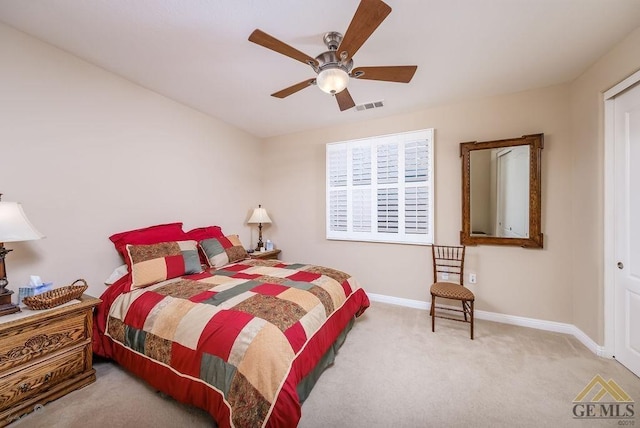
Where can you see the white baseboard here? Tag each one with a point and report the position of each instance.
(554, 326)
(409, 303)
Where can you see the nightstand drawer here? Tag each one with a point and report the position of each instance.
(44, 354)
(21, 345)
(42, 376)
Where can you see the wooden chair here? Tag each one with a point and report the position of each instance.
(449, 260)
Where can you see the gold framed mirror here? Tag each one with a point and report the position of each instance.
(501, 192)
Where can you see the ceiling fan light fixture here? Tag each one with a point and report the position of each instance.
(332, 80)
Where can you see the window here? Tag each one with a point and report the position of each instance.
(381, 189)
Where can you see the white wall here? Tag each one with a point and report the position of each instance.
(89, 154)
(511, 280)
(587, 169)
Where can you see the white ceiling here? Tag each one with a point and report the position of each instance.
(196, 51)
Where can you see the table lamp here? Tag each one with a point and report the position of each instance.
(259, 216)
(14, 227)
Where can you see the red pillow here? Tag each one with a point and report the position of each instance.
(203, 233)
(148, 235)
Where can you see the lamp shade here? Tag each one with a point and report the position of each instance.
(259, 216)
(332, 80)
(14, 224)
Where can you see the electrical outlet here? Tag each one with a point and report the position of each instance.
(445, 275)
(472, 278)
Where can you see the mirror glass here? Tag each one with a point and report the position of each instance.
(501, 192)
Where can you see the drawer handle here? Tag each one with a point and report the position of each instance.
(24, 387)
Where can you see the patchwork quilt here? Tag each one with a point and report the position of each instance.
(237, 340)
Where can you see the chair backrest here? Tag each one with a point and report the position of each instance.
(450, 260)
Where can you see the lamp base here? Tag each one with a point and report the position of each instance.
(260, 244)
(6, 307)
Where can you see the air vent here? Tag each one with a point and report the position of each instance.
(369, 106)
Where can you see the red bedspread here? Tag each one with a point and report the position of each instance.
(235, 341)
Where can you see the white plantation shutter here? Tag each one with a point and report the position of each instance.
(387, 161)
(361, 165)
(416, 211)
(338, 165)
(388, 210)
(338, 212)
(416, 158)
(416, 200)
(337, 196)
(361, 192)
(361, 210)
(381, 188)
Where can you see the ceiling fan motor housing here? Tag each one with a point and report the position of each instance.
(330, 58)
(333, 72)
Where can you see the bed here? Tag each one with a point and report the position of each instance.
(244, 339)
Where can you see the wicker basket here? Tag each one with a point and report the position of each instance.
(56, 297)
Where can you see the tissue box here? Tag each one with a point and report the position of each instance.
(30, 290)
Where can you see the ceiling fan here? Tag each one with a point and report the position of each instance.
(334, 67)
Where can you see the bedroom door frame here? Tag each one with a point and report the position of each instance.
(609, 212)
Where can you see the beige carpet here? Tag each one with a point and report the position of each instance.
(392, 371)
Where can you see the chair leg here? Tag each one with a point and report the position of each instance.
(471, 315)
(433, 314)
(464, 309)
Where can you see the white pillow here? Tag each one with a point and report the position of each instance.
(118, 273)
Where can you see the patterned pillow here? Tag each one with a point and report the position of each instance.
(222, 251)
(150, 264)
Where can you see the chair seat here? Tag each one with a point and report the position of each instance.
(449, 290)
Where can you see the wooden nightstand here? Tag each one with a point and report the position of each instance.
(44, 355)
(265, 255)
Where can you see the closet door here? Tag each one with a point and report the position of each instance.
(627, 228)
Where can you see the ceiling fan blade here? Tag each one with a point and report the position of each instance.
(399, 73)
(263, 39)
(345, 102)
(293, 89)
(368, 17)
